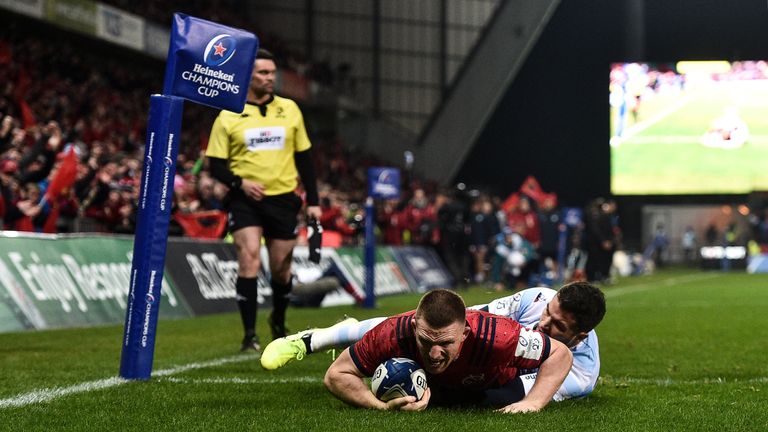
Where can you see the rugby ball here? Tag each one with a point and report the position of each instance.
(398, 377)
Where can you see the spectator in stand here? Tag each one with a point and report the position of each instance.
(525, 215)
(759, 222)
(391, 222)
(514, 259)
(8, 191)
(185, 196)
(99, 193)
(125, 217)
(50, 79)
(209, 200)
(7, 127)
(482, 230)
(453, 247)
(334, 217)
(31, 207)
(420, 218)
(549, 223)
(712, 235)
(688, 244)
(356, 221)
(36, 164)
(524, 219)
(600, 241)
(657, 250)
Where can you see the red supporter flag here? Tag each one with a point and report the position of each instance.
(206, 224)
(50, 222)
(532, 188)
(27, 116)
(510, 202)
(64, 177)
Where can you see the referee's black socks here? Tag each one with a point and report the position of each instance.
(279, 305)
(247, 302)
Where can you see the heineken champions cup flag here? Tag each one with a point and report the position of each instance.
(209, 63)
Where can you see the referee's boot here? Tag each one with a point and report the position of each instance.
(250, 343)
(278, 329)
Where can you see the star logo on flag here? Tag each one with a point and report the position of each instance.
(219, 49)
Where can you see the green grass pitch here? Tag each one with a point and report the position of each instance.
(681, 350)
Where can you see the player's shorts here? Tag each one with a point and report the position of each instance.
(276, 214)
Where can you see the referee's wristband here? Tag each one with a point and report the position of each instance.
(236, 182)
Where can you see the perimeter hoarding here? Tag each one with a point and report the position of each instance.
(56, 281)
(69, 282)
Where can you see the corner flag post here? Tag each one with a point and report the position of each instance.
(208, 63)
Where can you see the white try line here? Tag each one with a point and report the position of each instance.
(660, 284)
(49, 394)
(248, 381)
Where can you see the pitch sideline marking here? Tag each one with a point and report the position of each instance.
(49, 394)
(645, 124)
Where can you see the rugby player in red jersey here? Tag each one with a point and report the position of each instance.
(469, 356)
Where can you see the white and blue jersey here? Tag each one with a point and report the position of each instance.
(526, 308)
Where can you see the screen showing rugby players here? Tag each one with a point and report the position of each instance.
(690, 127)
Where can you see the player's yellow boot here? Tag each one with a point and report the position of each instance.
(281, 351)
(284, 350)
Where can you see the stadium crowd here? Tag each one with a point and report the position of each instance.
(71, 142)
(56, 97)
(71, 145)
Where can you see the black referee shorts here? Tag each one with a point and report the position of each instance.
(276, 214)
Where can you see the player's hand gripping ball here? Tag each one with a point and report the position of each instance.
(398, 377)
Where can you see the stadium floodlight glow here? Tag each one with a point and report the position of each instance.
(208, 63)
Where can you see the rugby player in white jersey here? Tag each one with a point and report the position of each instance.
(568, 315)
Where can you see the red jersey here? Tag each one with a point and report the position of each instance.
(494, 350)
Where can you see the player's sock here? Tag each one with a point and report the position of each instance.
(344, 334)
(280, 304)
(307, 341)
(247, 302)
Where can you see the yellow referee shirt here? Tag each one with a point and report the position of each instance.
(261, 148)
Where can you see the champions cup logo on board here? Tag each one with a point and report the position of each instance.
(209, 63)
(219, 50)
(383, 186)
(384, 183)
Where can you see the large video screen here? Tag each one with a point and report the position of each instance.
(691, 127)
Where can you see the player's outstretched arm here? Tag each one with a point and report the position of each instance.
(345, 381)
(551, 375)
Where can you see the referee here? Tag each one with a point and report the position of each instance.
(259, 153)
